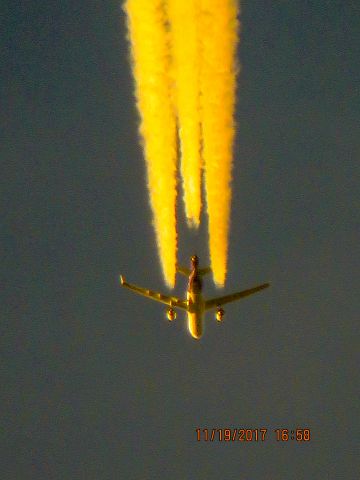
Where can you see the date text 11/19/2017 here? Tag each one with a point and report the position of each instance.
(252, 434)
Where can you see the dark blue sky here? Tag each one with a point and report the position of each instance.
(96, 383)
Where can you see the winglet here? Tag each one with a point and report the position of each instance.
(122, 280)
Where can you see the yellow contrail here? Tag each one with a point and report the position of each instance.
(218, 32)
(184, 65)
(149, 40)
(183, 15)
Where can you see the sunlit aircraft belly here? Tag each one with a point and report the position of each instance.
(195, 314)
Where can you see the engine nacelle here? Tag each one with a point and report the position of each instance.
(220, 312)
(171, 314)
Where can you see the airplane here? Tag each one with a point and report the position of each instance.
(195, 305)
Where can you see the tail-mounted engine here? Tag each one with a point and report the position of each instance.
(171, 314)
(220, 312)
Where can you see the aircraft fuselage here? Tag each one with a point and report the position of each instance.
(195, 313)
(196, 302)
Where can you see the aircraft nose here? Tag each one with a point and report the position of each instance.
(196, 335)
(195, 329)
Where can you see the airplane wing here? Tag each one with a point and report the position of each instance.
(215, 302)
(159, 297)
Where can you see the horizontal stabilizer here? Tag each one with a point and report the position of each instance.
(205, 271)
(186, 271)
(183, 270)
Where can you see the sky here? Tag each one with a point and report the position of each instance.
(97, 384)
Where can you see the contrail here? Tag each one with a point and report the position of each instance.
(218, 33)
(184, 66)
(149, 40)
(183, 16)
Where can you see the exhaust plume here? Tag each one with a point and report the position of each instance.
(218, 33)
(149, 40)
(183, 54)
(183, 16)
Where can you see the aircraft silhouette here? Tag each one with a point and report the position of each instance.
(195, 305)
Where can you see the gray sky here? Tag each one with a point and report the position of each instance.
(97, 384)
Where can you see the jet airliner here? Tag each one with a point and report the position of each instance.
(195, 305)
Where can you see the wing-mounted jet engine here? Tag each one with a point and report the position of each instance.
(220, 312)
(171, 314)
